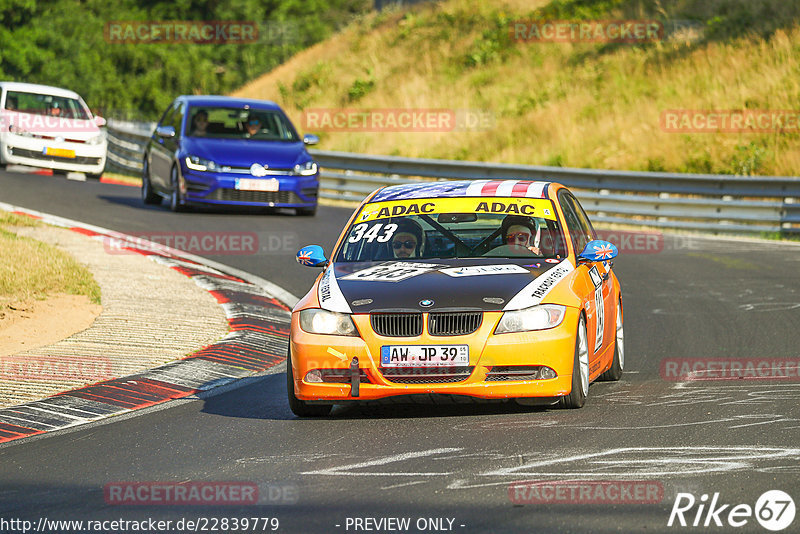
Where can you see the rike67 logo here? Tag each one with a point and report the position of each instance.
(774, 510)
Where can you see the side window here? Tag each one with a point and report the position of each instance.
(573, 225)
(587, 231)
(166, 118)
(177, 119)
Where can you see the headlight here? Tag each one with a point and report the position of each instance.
(96, 140)
(317, 321)
(197, 163)
(16, 130)
(539, 317)
(309, 168)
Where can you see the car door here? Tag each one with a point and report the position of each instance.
(600, 273)
(581, 232)
(160, 155)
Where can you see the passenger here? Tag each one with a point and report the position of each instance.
(252, 126)
(521, 233)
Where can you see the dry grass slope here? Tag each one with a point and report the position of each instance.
(567, 104)
(31, 270)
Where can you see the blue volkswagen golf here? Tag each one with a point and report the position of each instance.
(216, 150)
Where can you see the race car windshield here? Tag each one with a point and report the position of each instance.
(453, 235)
(236, 123)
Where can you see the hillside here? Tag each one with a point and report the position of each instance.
(572, 104)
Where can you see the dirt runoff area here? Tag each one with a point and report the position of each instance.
(38, 323)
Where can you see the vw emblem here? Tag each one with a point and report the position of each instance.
(256, 169)
(426, 303)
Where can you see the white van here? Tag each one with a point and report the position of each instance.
(49, 127)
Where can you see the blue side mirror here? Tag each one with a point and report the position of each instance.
(312, 256)
(599, 250)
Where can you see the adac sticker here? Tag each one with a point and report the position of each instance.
(531, 207)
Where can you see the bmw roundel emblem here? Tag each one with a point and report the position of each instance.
(426, 303)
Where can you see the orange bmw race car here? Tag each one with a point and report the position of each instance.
(490, 289)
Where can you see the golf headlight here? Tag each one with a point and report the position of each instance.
(96, 140)
(197, 163)
(539, 317)
(317, 321)
(309, 168)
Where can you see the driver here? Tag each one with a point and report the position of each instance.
(521, 232)
(407, 239)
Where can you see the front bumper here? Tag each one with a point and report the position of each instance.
(20, 150)
(220, 189)
(554, 348)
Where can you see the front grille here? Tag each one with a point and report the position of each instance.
(426, 375)
(501, 373)
(454, 323)
(79, 160)
(263, 197)
(397, 324)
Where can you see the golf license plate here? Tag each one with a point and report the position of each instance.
(424, 355)
(59, 152)
(249, 184)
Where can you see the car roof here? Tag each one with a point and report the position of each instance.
(464, 188)
(228, 101)
(37, 88)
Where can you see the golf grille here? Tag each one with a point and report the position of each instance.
(262, 197)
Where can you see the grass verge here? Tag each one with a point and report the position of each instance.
(32, 270)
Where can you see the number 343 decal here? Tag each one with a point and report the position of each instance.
(360, 232)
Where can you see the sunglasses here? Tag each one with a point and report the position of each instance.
(254, 123)
(514, 237)
(403, 244)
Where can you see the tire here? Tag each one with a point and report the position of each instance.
(614, 372)
(148, 195)
(301, 408)
(175, 200)
(94, 176)
(580, 370)
(306, 212)
(59, 172)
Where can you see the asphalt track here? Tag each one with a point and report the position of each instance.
(689, 298)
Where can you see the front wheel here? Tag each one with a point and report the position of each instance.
(580, 370)
(301, 408)
(614, 372)
(148, 195)
(175, 199)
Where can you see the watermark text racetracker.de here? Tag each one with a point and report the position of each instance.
(730, 120)
(78, 368)
(586, 492)
(703, 369)
(586, 31)
(198, 493)
(397, 120)
(200, 32)
(204, 243)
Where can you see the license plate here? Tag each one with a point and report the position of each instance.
(249, 184)
(424, 355)
(60, 152)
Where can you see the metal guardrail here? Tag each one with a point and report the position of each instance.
(706, 202)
